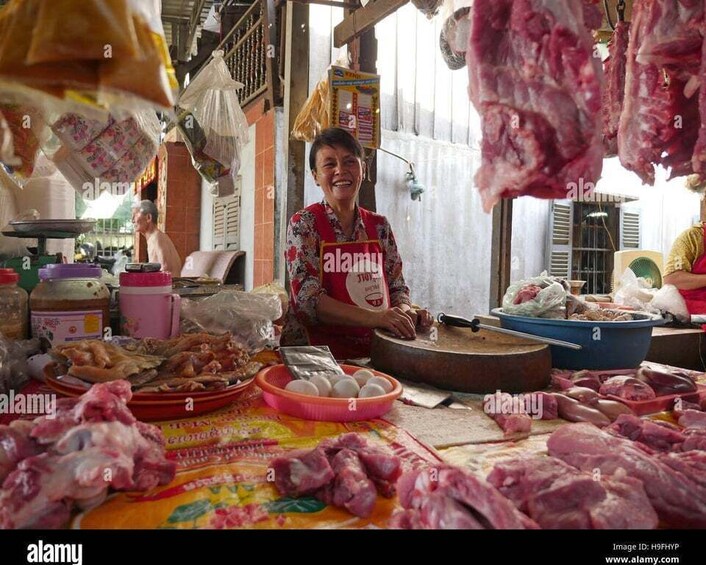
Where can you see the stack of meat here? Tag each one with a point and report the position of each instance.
(73, 457)
(346, 472)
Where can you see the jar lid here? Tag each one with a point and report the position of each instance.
(69, 271)
(8, 276)
(157, 278)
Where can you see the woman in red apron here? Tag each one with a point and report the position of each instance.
(345, 272)
(691, 284)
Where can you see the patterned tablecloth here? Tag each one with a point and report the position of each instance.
(223, 479)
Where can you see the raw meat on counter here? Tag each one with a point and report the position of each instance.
(450, 498)
(93, 443)
(628, 388)
(537, 87)
(656, 436)
(693, 419)
(666, 383)
(556, 495)
(347, 472)
(675, 483)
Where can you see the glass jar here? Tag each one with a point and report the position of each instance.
(69, 304)
(13, 306)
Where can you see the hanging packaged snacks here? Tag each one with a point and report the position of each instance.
(125, 74)
(73, 30)
(17, 23)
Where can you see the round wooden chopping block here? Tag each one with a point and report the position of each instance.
(459, 359)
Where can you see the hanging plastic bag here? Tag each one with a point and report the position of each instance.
(314, 115)
(26, 124)
(7, 146)
(213, 100)
(538, 297)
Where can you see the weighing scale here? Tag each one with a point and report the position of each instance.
(41, 230)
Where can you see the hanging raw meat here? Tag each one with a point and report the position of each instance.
(537, 87)
(659, 123)
(698, 160)
(614, 69)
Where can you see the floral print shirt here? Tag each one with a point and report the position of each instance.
(302, 257)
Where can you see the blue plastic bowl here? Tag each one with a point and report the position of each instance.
(605, 345)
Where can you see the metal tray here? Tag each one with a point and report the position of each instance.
(52, 228)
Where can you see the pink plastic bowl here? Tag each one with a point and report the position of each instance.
(272, 381)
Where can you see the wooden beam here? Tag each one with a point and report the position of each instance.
(363, 19)
(296, 92)
(332, 3)
(364, 49)
(500, 252)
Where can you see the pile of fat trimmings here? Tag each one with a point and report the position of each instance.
(362, 384)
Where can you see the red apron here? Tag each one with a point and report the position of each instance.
(696, 299)
(352, 272)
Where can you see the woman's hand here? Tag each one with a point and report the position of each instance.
(397, 321)
(421, 318)
(424, 319)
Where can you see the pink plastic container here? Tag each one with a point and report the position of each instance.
(272, 381)
(148, 308)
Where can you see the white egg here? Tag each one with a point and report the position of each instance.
(333, 379)
(382, 382)
(370, 390)
(362, 376)
(322, 384)
(302, 387)
(345, 388)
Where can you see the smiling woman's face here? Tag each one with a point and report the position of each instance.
(339, 173)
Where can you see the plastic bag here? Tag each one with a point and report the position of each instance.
(668, 299)
(635, 292)
(315, 114)
(126, 74)
(26, 124)
(213, 102)
(69, 30)
(247, 316)
(14, 372)
(111, 151)
(85, 56)
(7, 146)
(538, 297)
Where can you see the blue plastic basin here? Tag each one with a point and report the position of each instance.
(605, 345)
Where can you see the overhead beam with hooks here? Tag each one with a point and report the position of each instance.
(363, 19)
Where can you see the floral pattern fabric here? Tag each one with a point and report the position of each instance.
(303, 264)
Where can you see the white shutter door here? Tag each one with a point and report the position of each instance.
(629, 229)
(218, 224)
(226, 221)
(560, 238)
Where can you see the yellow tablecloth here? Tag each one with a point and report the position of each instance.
(223, 479)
